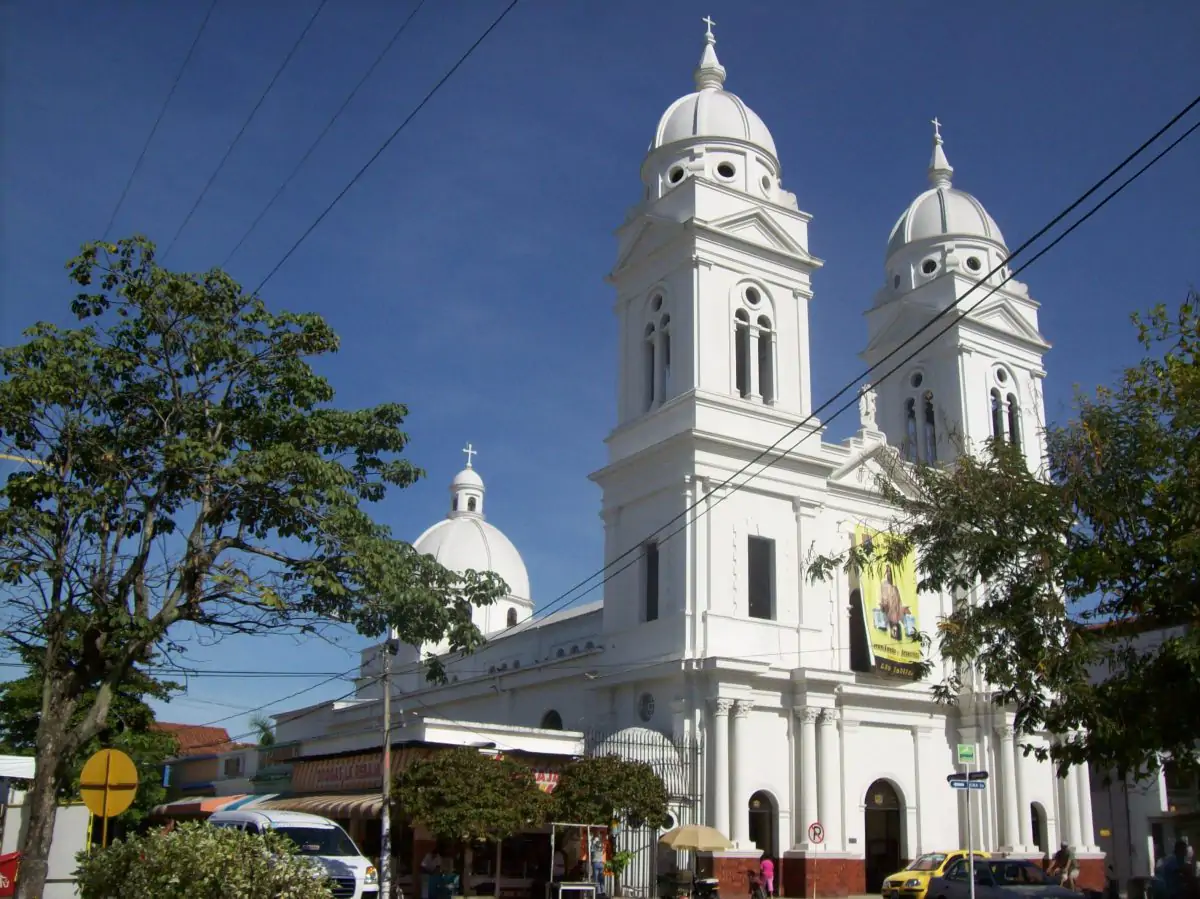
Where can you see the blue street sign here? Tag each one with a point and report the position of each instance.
(959, 784)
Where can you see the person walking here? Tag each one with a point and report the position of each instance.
(767, 868)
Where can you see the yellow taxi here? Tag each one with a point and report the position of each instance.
(913, 881)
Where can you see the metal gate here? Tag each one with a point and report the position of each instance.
(677, 762)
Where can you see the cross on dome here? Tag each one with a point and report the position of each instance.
(710, 74)
(470, 451)
(940, 169)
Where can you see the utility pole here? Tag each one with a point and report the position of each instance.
(385, 834)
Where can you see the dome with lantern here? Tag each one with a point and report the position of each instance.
(465, 541)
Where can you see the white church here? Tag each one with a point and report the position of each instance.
(778, 710)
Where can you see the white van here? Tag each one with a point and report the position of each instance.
(318, 838)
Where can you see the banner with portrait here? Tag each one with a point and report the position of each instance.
(891, 615)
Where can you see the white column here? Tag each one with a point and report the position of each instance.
(808, 769)
(720, 747)
(829, 790)
(1024, 819)
(1071, 812)
(752, 364)
(1087, 836)
(743, 758)
(1009, 835)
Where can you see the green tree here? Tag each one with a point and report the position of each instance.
(464, 794)
(601, 789)
(195, 861)
(128, 729)
(1061, 571)
(191, 475)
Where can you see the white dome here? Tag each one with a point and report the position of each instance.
(943, 211)
(468, 542)
(711, 113)
(468, 477)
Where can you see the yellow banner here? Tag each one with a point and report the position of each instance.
(890, 608)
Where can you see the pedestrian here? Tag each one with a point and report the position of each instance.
(596, 852)
(767, 868)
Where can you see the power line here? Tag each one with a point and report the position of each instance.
(154, 128)
(220, 165)
(320, 137)
(638, 550)
(454, 68)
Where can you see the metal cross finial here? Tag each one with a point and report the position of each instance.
(470, 452)
(937, 129)
(707, 20)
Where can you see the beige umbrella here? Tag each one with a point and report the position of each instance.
(695, 838)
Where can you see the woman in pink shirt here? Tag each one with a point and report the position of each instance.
(767, 868)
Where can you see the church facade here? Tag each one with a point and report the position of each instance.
(813, 741)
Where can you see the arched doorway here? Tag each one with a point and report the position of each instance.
(883, 833)
(764, 816)
(552, 720)
(1037, 820)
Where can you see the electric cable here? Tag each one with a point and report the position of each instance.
(253, 112)
(137, 166)
(441, 81)
(566, 598)
(324, 131)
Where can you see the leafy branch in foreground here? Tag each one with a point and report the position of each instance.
(1078, 586)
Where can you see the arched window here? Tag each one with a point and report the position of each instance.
(552, 720)
(512, 617)
(910, 430)
(648, 399)
(997, 415)
(930, 429)
(741, 351)
(471, 503)
(766, 360)
(664, 357)
(454, 505)
(1014, 420)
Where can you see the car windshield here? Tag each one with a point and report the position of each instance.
(929, 862)
(1018, 874)
(330, 841)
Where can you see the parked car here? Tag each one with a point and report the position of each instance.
(913, 881)
(1000, 878)
(353, 876)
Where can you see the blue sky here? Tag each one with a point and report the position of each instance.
(464, 272)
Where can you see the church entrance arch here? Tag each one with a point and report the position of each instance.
(764, 822)
(1037, 821)
(884, 832)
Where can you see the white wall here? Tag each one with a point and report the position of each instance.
(70, 838)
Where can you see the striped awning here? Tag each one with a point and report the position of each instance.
(352, 806)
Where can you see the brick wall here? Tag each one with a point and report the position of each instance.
(829, 876)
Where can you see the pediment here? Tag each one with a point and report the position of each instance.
(871, 463)
(1000, 316)
(652, 234)
(756, 226)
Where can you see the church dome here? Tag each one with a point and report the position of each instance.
(465, 541)
(711, 113)
(943, 212)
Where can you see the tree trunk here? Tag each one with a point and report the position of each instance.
(41, 808)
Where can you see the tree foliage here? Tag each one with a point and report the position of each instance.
(128, 729)
(196, 861)
(599, 789)
(464, 794)
(1078, 581)
(190, 474)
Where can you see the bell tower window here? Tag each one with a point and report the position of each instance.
(766, 360)
(649, 375)
(471, 504)
(1014, 421)
(930, 429)
(511, 618)
(997, 415)
(741, 352)
(910, 430)
(664, 358)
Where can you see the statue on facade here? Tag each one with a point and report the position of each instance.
(866, 408)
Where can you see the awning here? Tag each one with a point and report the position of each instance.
(197, 806)
(351, 806)
(16, 767)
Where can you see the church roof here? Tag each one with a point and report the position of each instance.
(711, 112)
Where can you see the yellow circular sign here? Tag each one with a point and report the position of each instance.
(108, 783)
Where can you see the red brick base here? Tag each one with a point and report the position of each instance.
(828, 876)
(734, 873)
(1091, 874)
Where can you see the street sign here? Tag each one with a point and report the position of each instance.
(966, 753)
(961, 783)
(107, 785)
(816, 833)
